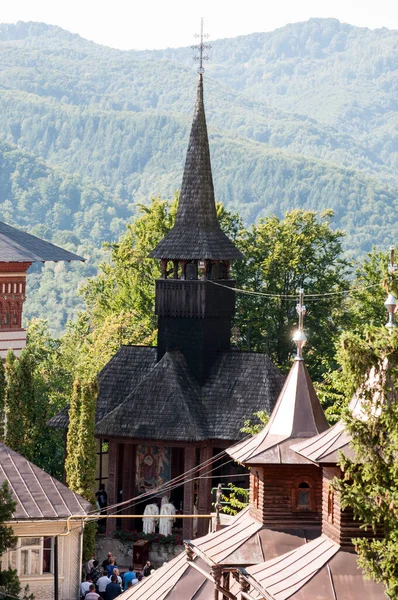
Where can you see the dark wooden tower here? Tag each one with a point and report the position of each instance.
(194, 315)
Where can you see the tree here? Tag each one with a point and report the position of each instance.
(364, 307)
(282, 255)
(370, 480)
(9, 582)
(81, 451)
(13, 409)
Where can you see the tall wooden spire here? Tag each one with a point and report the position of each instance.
(196, 234)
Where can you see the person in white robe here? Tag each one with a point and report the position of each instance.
(166, 525)
(149, 524)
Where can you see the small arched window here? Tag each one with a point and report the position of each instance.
(303, 495)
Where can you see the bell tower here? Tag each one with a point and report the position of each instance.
(194, 310)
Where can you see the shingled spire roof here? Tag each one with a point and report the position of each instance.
(197, 233)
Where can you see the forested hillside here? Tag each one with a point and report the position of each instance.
(305, 116)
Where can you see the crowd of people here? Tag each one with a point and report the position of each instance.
(105, 582)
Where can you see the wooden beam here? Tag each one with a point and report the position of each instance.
(128, 482)
(112, 485)
(189, 464)
(204, 492)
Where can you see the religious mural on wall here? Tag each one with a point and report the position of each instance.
(153, 466)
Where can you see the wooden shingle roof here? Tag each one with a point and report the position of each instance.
(197, 233)
(139, 398)
(37, 494)
(166, 404)
(19, 246)
(121, 375)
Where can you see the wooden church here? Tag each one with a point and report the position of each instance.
(162, 411)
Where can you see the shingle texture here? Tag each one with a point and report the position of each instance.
(37, 494)
(197, 233)
(61, 420)
(139, 398)
(19, 246)
(121, 375)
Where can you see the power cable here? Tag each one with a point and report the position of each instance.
(293, 297)
(176, 482)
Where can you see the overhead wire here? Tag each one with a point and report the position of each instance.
(291, 296)
(170, 485)
(166, 488)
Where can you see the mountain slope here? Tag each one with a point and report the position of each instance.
(87, 132)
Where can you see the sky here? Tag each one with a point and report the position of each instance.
(149, 24)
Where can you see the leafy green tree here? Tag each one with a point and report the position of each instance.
(81, 451)
(370, 480)
(261, 419)
(15, 433)
(282, 255)
(364, 307)
(10, 586)
(72, 440)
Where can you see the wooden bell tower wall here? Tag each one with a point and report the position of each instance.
(12, 297)
(276, 494)
(339, 524)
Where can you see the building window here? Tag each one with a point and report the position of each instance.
(330, 506)
(101, 472)
(256, 481)
(303, 495)
(31, 557)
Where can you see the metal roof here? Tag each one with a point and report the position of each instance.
(282, 576)
(297, 415)
(37, 494)
(197, 233)
(318, 570)
(19, 246)
(177, 580)
(325, 447)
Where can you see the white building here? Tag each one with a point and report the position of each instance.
(46, 509)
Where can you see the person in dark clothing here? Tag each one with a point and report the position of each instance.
(107, 561)
(148, 568)
(113, 589)
(95, 572)
(101, 497)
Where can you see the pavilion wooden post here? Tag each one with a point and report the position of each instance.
(128, 482)
(189, 464)
(112, 486)
(204, 495)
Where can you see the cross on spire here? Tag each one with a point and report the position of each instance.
(200, 48)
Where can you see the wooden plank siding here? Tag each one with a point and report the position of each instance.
(277, 489)
(339, 524)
